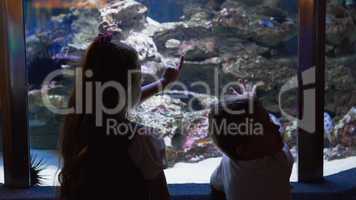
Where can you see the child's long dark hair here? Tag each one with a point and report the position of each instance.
(107, 62)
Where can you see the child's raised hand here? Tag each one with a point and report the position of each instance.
(246, 90)
(172, 74)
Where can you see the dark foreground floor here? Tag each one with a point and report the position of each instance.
(341, 186)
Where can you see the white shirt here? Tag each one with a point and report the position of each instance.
(266, 178)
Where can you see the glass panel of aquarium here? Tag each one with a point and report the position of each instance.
(223, 41)
(1, 151)
(340, 98)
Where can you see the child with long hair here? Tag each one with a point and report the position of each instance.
(99, 160)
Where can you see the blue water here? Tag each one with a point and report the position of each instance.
(36, 18)
(160, 10)
(164, 10)
(170, 10)
(290, 6)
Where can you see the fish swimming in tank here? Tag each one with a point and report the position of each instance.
(267, 23)
(328, 127)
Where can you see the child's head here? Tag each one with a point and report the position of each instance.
(117, 66)
(234, 125)
(104, 63)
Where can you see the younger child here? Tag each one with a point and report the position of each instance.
(256, 164)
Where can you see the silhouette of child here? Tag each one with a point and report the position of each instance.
(256, 164)
(101, 162)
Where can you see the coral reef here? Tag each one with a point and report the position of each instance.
(251, 39)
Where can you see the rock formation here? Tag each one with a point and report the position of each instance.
(251, 39)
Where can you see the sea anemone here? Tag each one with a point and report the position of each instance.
(37, 166)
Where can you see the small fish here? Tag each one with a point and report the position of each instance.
(66, 57)
(36, 123)
(328, 126)
(266, 23)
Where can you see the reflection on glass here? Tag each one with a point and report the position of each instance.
(340, 116)
(223, 41)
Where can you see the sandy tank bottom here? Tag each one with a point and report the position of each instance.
(181, 173)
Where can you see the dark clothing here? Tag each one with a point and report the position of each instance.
(108, 172)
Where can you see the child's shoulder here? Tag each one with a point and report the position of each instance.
(140, 129)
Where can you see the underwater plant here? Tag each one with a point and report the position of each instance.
(37, 166)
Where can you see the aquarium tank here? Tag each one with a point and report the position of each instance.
(223, 41)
